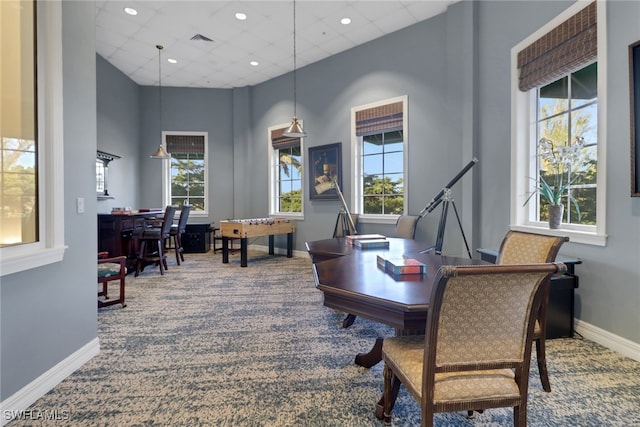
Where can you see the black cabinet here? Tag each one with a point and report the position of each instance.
(560, 310)
(197, 238)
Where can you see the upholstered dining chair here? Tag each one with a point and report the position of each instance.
(111, 269)
(477, 349)
(151, 242)
(519, 247)
(176, 231)
(406, 226)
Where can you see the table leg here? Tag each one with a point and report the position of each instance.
(225, 250)
(271, 245)
(243, 252)
(373, 357)
(348, 321)
(289, 245)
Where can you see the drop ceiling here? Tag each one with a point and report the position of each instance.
(265, 36)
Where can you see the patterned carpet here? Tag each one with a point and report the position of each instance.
(210, 344)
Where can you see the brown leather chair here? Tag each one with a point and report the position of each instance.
(151, 242)
(176, 231)
(111, 269)
(477, 349)
(525, 248)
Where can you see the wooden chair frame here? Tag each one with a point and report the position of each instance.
(103, 258)
(552, 245)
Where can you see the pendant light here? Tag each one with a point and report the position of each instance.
(160, 153)
(295, 129)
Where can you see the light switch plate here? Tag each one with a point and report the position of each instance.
(80, 205)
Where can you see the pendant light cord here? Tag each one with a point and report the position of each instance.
(294, 60)
(160, 47)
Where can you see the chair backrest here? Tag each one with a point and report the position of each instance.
(525, 248)
(406, 226)
(169, 213)
(184, 216)
(481, 317)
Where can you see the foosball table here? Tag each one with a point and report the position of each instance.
(243, 229)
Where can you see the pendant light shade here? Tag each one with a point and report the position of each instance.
(295, 129)
(160, 153)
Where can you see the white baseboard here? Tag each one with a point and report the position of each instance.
(29, 394)
(614, 342)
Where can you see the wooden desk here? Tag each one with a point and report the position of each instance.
(351, 282)
(245, 228)
(115, 233)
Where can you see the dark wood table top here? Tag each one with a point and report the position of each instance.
(352, 282)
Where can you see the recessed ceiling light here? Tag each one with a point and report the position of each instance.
(241, 16)
(254, 63)
(172, 61)
(345, 21)
(130, 11)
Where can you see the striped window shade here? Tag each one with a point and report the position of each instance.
(185, 144)
(567, 48)
(279, 141)
(381, 119)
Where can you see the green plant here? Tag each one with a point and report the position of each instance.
(558, 161)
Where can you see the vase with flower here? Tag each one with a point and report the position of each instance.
(554, 183)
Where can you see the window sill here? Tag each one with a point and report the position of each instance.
(378, 219)
(587, 238)
(15, 263)
(296, 216)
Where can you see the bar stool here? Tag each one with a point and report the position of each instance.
(177, 230)
(152, 240)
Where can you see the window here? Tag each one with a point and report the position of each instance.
(285, 159)
(32, 184)
(187, 170)
(558, 96)
(380, 154)
(567, 156)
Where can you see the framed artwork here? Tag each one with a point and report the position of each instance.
(634, 86)
(325, 166)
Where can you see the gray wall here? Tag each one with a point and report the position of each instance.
(118, 111)
(48, 313)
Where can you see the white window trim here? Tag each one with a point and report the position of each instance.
(522, 104)
(273, 182)
(51, 247)
(356, 155)
(166, 167)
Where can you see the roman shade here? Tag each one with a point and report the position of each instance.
(566, 48)
(185, 144)
(279, 141)
(381, 119)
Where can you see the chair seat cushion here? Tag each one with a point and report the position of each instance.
(108, 269)
(405, 354)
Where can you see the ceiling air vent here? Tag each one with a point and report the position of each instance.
(201, 37)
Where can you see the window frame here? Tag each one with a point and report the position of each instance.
(356, 172)
(274, 190)
(166, 172)
(51, 245)
(524, 142)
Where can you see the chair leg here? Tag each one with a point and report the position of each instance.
(143, 248)
(542, 364)
(122, 293)
(176, 245)
(181, 249)
(162, 258)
